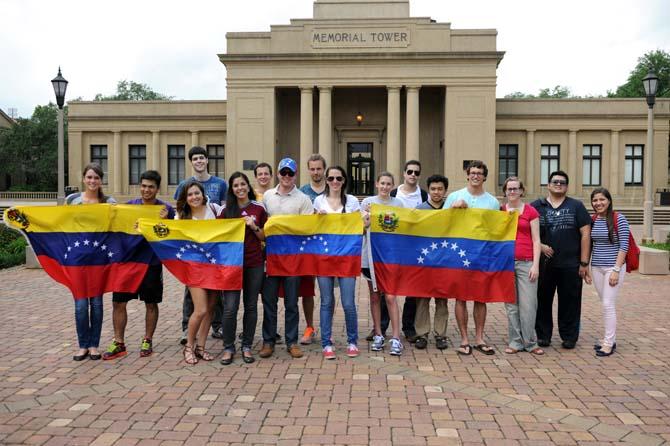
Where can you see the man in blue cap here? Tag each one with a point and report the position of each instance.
(285, 199)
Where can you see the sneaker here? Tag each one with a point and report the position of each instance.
(115, 350)
(441, 342)
(352, 351)
(396, 347)
(307, 336)
(421, 342)
(377, 343)
(217, 334)
(295, 351)
(146, 348)
(328, 352)
(184, 338)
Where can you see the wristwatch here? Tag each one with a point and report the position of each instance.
(616, 269)
(584, 263)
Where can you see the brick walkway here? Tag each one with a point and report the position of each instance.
(424, 397)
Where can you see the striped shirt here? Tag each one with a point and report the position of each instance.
(604, 252)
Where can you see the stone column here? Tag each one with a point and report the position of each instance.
(573, 156)
(195, 141)
(116, 163)
(155, 162)
(306, 132)
(326, 123)
(412, 131)
(393, 132)
(529, 178)
(614, 163)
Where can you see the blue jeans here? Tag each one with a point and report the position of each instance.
(291, 315)
(89, 326)
(348, 297)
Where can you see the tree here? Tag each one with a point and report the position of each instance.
(133, 91)
(559, 91)
(659, 62)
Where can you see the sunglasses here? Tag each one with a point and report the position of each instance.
(413, 172)
(286, 172)
(559, 182)
(338, 179)
(513, 189)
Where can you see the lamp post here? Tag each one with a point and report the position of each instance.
(60, 85)
(650, 83)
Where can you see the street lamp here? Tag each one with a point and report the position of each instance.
(60, 85)
(650, 83)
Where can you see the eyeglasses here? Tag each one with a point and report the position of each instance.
(476, 174)
(338, 179)
(413, 172)
(513, 189)
(559, 182)
(286, 172)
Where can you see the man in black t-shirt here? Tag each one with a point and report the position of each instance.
(565, 235)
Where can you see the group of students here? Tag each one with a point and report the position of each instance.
(556, 241)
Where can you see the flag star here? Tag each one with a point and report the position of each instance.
(183, 249)
(208, 255)
(424, 251)
(454, 246)
(419, 259)
(461, 253)
(466, 263)
(326, 250)
(76, 244)
(110, 254)
(178, 256)
(202, 250)
(103, 247)
(86, 242)
(325, 243)
(302, 248)
(304, 242)
(66, 256)
(445, 244)
(309, 238)
(212, 260)
(433, 246)
(320, 238)
(69, 248)
(95, 243)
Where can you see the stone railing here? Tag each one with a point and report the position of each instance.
(9, 195)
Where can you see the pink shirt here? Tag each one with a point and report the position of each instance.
(523, 249)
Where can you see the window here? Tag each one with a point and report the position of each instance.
(633, 164)
(549, 161)
(175, 164)
(137, 162)
(591, 160)
(215, 155)
(99, 155)
(508, 162)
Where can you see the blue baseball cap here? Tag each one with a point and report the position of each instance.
(288, 163)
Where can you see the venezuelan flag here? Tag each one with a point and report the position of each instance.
(199, 253)
(463, 253)
(91, 249)
(314, 245)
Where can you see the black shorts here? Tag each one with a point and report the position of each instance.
(151, 288)
(366, 273)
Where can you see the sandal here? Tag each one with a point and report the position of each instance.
(464, 350)
(537, 351)
(511, 351)
(484, 348)
(190, 357)
(203, 354)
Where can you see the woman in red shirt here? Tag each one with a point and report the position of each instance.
(521, 315)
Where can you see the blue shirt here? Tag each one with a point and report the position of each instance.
(215, 189)
(311, 193)
(483, 201)
(158, 202)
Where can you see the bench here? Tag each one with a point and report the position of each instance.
(654, 261)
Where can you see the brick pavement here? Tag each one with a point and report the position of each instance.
(424, 397)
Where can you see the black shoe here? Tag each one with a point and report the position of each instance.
(441, 343)
(370, 337)
(95, 357)
(543, 342)
(421, 342)
(248, 359)
(411, 338)
(217, 334)
(601, 353)
(228, 361)
(80, 357)
(598, 346)
(278, 339)
(184, 337)
(569, 345)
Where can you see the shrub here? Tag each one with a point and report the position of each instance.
(12, 247)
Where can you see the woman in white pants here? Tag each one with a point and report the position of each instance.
(609, 235)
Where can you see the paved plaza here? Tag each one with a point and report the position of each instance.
(427, 396)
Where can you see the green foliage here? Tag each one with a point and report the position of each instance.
(559, 91)
(12, 247)
(662, 246)
(133, 91)
(659, 62)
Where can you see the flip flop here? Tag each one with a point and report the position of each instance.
(537, 351)
(486, 349)
(467, 348)
(511, 351)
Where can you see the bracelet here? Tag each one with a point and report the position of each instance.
(583, 264)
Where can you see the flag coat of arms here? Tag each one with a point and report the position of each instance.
(314, 245)
(199, 253)
(462, 253)
(91, 249)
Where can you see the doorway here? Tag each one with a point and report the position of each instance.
(361, 167)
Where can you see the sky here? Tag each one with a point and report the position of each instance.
(589, 46)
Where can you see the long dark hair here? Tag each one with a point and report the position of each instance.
(343, 191)
(609, 213)
(183, 209)
(232, 207)
(95, 167)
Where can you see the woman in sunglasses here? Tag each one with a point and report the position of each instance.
(335, 200)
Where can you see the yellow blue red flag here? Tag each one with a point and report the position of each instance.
(462, 253)
(91, 249)
(314, 245)
(199, 253)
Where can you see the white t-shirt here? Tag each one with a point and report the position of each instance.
(410, 200)
(211, 212)
(321, 204)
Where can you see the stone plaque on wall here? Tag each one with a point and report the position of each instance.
(392, 37)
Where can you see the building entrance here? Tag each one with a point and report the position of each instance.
(361, 168)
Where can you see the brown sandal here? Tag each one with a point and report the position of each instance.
(190, 356)
(537, 351)
(511, 351)
(203, 354)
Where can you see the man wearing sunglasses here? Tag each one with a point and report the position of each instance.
(411, 195)
(285, 199)
(565, 236)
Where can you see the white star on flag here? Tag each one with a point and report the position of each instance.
(424, 251)
(461, 253)
(95, 243)
(110, 254)
(86, 242)
(445, 244)
(433, 246)
(76, 244)
(420, 259)
(466, 263)
(454, 246)
(178, 256)
(103, 247)
(69, 249)
(212, 260)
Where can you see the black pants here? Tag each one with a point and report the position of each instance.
(569, 286)
(187, 311)
(386, 319)
(252, 285)
(408, 316)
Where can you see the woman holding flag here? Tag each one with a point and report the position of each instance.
(335, 200)
(240, 203)
(89, 324)
(192, 204)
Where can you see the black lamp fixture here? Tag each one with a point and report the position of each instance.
(650, 83)
(60, 86)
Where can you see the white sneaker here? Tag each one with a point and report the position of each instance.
(396, 347)
(377, 343)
